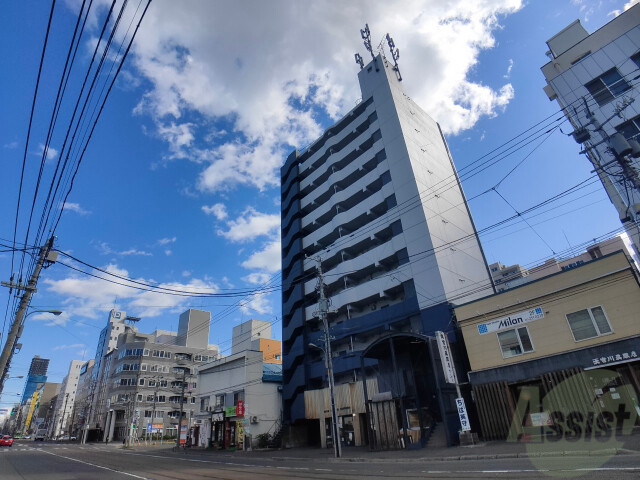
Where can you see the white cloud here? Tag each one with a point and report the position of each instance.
(67, 347)
(105, 249)
(250, 225)
(11, 145)
(135, 251)
(51, 320)
(186, 273)
(617, 12)
(86, 296)
(509, 68)
(267, 260)
(52, 153)
(75, 207)
(291, 61)
(167, 241)
(257, 278)
(219, 210)
(168, 252)
(258, 303)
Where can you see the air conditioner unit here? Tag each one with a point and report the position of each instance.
(254, 419)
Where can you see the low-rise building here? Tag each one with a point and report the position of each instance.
(240, 396)
(541, 333)
(152, 378)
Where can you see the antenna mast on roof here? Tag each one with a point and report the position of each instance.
(395, 54)
(366, 36)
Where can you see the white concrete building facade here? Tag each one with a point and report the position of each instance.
(594, 78)
(65, 405)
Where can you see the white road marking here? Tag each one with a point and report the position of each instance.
(99, 466)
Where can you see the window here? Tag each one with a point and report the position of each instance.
(141, 383)
(219, 400)
(139, 397)
(149, 398)
(204, 404)
(588, 323)
(636, 59)
(159, 414)
(607, 86)
(630, 128)
(143, 367)
(162, 383)
(515, 342)
(146, 352)
(147, 413)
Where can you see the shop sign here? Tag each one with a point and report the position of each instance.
(462, 414)
(229, 411)
(511, 320)
(614, 359)
(217, 417)
(540, 419)
(445, 356)
(240, 409)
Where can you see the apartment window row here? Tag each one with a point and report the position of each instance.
(345, 180)
(204, 358)
(584, 324)
(335, 147)
(338, 127)
(607, 86)
(125, 382)
(155, 368)
(126, 367)
(131, 352)
(339, 165)
(160, 354)
(358, 198)
(156, 383)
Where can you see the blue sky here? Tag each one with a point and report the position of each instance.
(179, 185)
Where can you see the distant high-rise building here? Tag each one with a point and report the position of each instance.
(38, 366)
(37, 375)
(594, 78)
(378, 200)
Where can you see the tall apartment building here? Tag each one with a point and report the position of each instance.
(377, 198)
(65, 404)
(594, 78)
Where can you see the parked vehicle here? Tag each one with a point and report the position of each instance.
(41, 434)
(6, 441)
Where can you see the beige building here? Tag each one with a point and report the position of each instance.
(545, 331)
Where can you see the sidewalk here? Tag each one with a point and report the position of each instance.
(482, 451)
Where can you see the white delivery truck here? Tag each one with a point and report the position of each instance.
(41, 434)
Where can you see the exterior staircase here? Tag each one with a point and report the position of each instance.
(438, 437)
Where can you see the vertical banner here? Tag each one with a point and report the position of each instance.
(447, 360)
(183, 433)
(462, 414)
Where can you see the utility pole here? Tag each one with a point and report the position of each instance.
(64, 412)
(184, 375)
(16, 327)
(135, 397)
(323, 310)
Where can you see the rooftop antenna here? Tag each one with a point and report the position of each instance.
(395, 54)
(359, 61)
(366, 36)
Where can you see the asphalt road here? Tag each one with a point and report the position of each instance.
(51, 461)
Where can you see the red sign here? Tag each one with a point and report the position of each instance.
(240, 409)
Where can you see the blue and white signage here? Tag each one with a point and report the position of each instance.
(511, 321)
